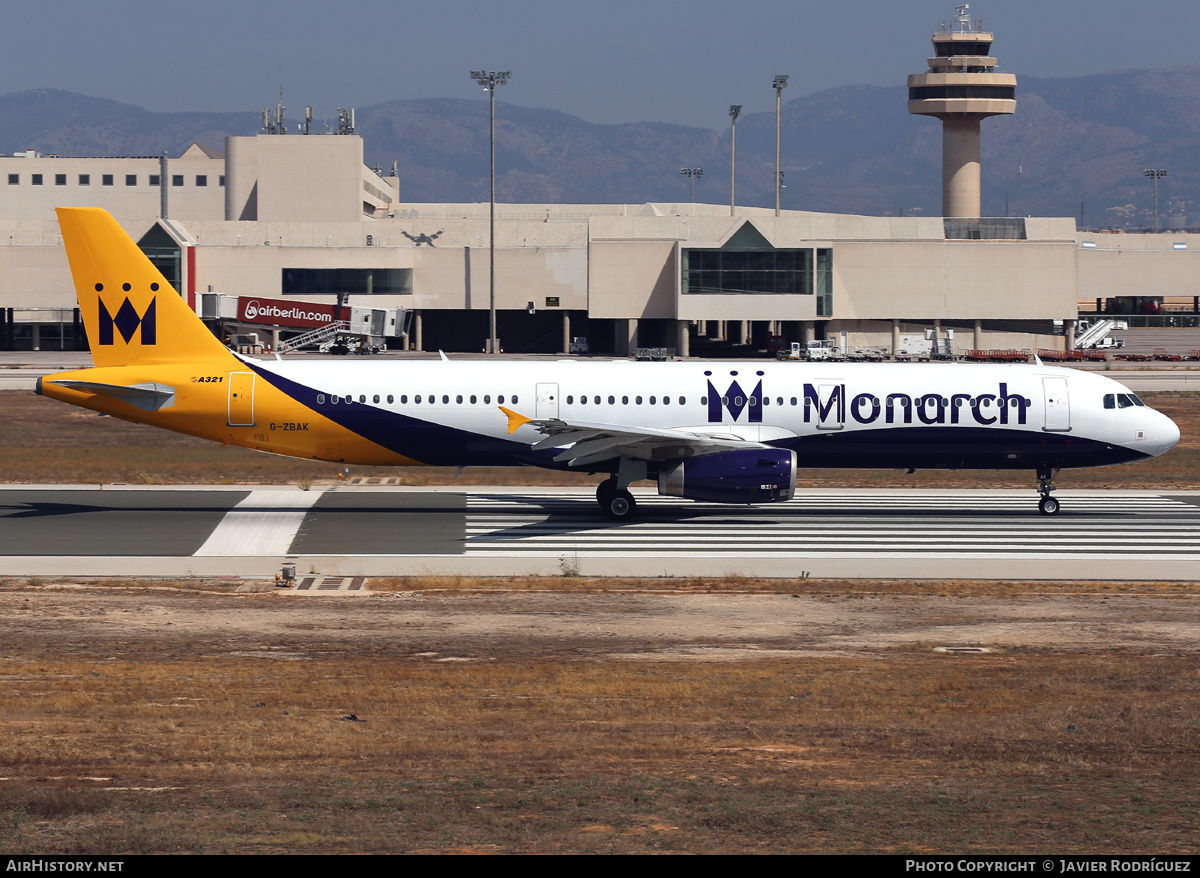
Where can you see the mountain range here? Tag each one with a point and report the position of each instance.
(1075, 147)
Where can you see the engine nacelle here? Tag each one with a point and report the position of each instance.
(766, 475)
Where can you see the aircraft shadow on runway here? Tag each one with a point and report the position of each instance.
(43, 510)
(36, 509)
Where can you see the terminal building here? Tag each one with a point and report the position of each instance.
(300, 218)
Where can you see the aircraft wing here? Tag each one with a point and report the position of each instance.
(586, 442)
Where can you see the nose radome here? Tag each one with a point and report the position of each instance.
(1170, 433)
(1163, 434)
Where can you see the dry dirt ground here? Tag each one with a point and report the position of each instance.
(566, 715)
(611, 620)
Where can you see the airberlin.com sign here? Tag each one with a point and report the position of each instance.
(281, 312)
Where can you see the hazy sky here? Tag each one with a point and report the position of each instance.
(613, 61)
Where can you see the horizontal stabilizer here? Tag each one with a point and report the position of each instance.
(148, 397)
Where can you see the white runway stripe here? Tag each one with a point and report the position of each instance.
(822, 525)
(265, 523)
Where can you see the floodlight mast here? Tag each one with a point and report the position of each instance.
(735, 110)
(692, 174)
(779, 83)
(488, 81)
(1155, 173)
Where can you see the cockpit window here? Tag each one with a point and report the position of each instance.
(1121, 400)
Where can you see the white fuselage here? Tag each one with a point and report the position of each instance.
(944, 415)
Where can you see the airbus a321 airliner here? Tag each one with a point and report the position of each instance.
(718, 431)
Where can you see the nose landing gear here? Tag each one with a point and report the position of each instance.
(1047, 505)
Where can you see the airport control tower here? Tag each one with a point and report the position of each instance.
(961, 88)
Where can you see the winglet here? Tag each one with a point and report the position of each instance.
(515, 420)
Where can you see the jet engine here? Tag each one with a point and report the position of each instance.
(766, 475)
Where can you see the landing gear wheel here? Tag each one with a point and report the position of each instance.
(604, 490)
(1045, 476)
(618, 505)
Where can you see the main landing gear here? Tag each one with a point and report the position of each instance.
(1047, 505)
(613, 493)
(617, 503)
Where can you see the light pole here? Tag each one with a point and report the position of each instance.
(489, 81)
(1155, 173)
(692, 174)
(735, 110)
(779, 83)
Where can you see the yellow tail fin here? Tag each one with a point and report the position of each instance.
(131, 314)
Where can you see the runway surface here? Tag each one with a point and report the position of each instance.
(371, 531)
